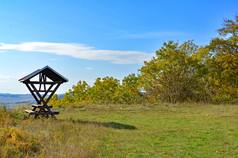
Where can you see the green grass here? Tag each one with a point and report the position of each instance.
(137, 131)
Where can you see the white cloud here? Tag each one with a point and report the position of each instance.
(88, 68)
(81, 51)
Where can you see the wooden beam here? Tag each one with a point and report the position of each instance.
(38, 94)
(52, 93)
(40, 79)
(48, 91)
(37, 82)
(42, 91)
(32, 93)
(45, 81)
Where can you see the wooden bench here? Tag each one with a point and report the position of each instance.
(39, 109)
(30, 112)
(55, 112)
(41, 113)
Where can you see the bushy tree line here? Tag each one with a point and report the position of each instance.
(178, 73)
(107, 90)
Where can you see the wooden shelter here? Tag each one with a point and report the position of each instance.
(43, 83)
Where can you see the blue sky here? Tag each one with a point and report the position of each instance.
(84, 40)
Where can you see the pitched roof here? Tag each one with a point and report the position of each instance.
(49, 72)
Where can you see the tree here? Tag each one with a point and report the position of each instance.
(173, 75)
(103, 91)
(129, 91)
(224, 63)
(67, 99)
(80, 92)
(54, 100)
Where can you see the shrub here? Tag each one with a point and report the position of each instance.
(16, 142)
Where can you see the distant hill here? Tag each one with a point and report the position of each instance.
(7, 98)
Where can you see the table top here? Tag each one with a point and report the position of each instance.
(41, 106)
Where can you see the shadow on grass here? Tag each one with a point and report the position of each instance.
(107, 124)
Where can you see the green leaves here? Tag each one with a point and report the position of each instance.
(107, 90)
(172, 76)
(224, 63)
(178, 73)
(188, 72)
(229, 26)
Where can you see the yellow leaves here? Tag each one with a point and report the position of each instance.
(217, 82)
(5, 119)
(225, 64)
(15, 139)
(230, 26)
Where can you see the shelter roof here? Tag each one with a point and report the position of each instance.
(49, 72)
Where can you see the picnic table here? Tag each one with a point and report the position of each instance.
(39, 109)
(43, 84)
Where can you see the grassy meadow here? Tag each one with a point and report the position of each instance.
(182, 130)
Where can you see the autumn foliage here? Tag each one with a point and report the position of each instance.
(178, 73)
